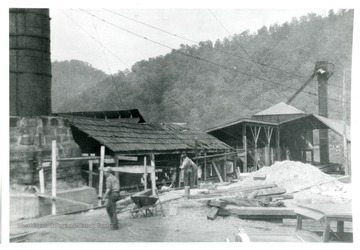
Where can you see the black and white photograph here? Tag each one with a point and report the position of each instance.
(211, 123)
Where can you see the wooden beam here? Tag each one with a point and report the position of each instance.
(263, 212)
(278, 152)
(62, 199)
(153, 177)
(47, 163)
(145, 173)
(271, 191)
(255, 132)
(90, 173)
(41, 174)
(268, 132)
(101, 177)
(218, 155)
(212, 213)
(53, 176)
(117, 165)
(225, 170)
(205, 169)
(127, 158)
(133, 169)
(217, 171)
(244, 141)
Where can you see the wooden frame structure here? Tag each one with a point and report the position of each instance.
(53, 163)
(248, 134)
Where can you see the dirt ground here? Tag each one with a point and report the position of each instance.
(189, 224)
(185, 219)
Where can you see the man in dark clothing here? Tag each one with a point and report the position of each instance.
(112, 190)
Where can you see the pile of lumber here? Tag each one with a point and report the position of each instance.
(254, 202)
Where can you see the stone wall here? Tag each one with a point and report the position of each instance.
(30, 140)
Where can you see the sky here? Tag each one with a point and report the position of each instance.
(110, 42)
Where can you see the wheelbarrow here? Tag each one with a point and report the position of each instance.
(144, 205)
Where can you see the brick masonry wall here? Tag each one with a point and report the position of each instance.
(30, 139)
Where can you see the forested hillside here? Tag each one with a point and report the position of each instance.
(209, 83)
(70, 80)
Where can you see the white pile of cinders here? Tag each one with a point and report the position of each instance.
(304, 180)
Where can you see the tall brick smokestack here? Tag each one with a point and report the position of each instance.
(30, 64)
(324, 70)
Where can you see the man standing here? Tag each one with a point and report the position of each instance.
(112, 190)
(190, 170)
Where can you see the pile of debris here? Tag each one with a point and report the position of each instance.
(255, 202)
(291, 175)
(273, 191)
(270, 193)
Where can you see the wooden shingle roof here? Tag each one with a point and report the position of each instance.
(124, 137)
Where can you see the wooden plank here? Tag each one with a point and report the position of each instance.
(217, 155)
(282, 197)
(132, 169)
(244, 141)
(216, 203)
(212, 213)
(259, 176)
(53, 176)
(82, 158)
(205, 170)
(42, 181)
(47, 164)
(271, 191)
(145, 173)
(127, 158)
(90, 173)
(101, 177)
(223, 212)
(277, 141)
(153, 177)
(62, 199)
(225, 170)
(264, 212)
(217, 171)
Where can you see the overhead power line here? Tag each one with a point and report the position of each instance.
(211, 47)
(145, 79)
(202, 59)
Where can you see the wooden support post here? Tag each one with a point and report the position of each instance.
(41, 176)
(90, 173)
(236, 169)
(145, 173)
(101, 174)
(225, 170)
(278, 153)
(326, 232)
(116, 165)
(268, 132)
(244, 138)
(205, 168)
(153, 178)
(217, 171)
(53, 177)
(255, 132)
(299, 222)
